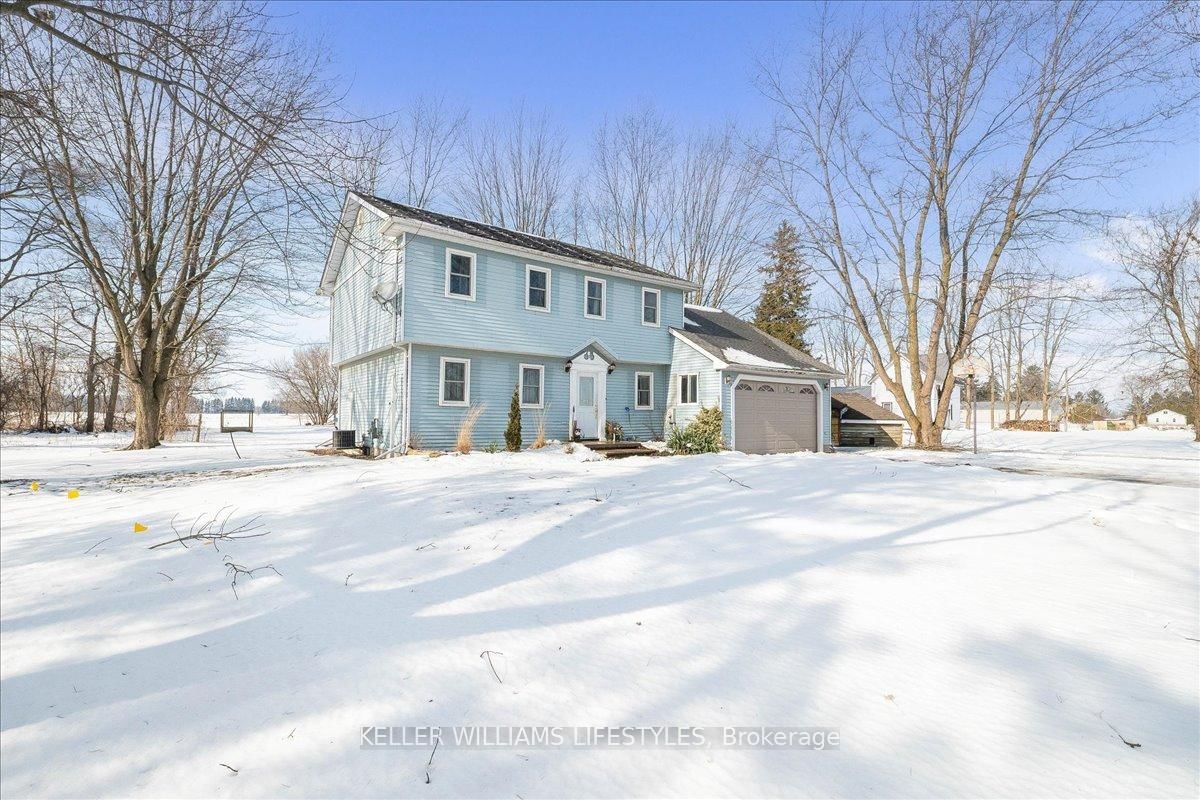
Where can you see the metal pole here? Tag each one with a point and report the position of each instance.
(974, 416)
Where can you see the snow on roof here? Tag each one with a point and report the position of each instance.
(735, 356)
(736, 341)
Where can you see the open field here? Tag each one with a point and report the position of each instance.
(969, 631)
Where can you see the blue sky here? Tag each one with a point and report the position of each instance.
(694, 62)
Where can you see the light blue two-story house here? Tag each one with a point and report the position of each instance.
(431, 315)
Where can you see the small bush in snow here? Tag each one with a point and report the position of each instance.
(702, 435)
(466, 429)
(539, 439)
(512, 434)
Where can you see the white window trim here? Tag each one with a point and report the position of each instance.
(442, 401)
(603, 297)
(679, 386)
(657, 307)
(531, 268)
(636, 376)
(474, 274)
(541, 385)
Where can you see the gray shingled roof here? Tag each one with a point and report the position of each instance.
(552, 247)
(859, 407)
(718, 332)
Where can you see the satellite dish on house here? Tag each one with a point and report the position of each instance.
(384, 293)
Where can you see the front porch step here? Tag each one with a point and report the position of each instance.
(618, 449)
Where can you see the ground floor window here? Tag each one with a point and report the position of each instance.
(532, 379)
(689, 389)
(455, 382)
(643, 394)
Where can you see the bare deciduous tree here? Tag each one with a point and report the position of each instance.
(715, 218)
(839, 343)
(1162, 261)
(692, 209)
(307, 383)
(515, 174)
(184, 206)
(916, 156)
(409, 156)
(632, 163)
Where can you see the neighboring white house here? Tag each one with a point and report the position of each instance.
(954, 418)
(1165, 419)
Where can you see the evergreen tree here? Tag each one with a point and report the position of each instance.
(783, 307)
(512, 434)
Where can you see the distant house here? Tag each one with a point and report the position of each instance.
(880, 394)
(433, 316)
(1166, 419)
(858, 421)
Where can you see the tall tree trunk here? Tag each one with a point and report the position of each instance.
(89, 424)
(148, 401)
(1195, 385)
(114, 391)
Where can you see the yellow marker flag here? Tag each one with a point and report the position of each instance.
(34, 486)
(139, 528)
(72, 494)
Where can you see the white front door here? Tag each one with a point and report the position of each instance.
(587, 401)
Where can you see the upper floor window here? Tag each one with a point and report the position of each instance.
(532, 379)
(454, 387)
(593, 298)
(651, 299)
(688, 389)
(537, 288)
(643, 390)
(460, 274)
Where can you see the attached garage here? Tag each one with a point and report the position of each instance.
(772, 416)
(773, 397)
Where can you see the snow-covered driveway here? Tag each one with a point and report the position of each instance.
(969, 632)
(1164, 458)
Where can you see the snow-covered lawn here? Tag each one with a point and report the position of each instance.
(1142, 455)
(968, 631)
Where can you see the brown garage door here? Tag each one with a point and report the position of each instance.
(773, 417)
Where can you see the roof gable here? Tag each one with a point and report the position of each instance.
(736, 343)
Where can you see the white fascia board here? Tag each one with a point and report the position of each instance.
(337, 247)
(399, 225)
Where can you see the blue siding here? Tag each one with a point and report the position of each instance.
(643, 424)
(373, 389)
(498, 320)
(493, 377)
(685, 359)
(357, 323)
